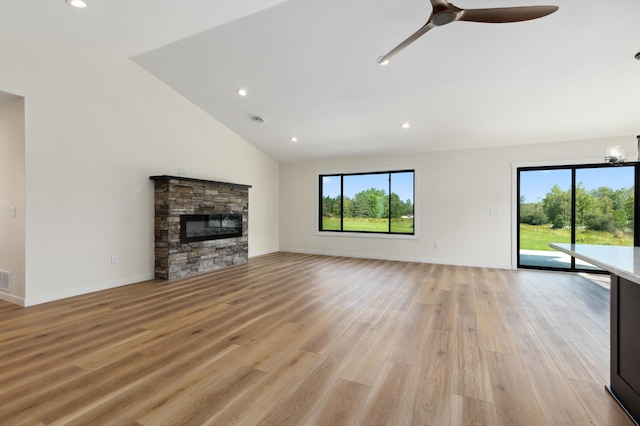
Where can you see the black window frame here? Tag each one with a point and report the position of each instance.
(341, 176)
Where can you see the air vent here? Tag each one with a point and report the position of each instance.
(5, 280)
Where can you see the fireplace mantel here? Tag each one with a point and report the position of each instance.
(187, 179)
(177, 196)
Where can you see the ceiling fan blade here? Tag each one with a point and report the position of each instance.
(383, 60)
(442, 4)
(506, 14)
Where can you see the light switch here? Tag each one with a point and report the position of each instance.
(13, 211)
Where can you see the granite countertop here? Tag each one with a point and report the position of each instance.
(623, 261)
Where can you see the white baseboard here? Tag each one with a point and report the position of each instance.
(404, 259)
(262, 253)
(12, 299)
(85, 290)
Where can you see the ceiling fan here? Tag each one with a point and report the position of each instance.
(445, 13)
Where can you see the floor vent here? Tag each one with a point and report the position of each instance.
(5, 280)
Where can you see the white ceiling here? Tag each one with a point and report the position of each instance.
(127, 27)
(310, 69)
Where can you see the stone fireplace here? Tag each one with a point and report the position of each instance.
(200, 225)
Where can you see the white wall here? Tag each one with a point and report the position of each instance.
(97, 126)
(12, 194)
(455, 190)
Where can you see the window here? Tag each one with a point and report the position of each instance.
(585, 204)
(378, 202)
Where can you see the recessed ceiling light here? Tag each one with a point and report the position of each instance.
(637, 56)
(257, 119)
(293, 139)
(242, 92)
(405, 125)
(77, 3)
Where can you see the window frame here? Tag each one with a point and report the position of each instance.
(342, 232)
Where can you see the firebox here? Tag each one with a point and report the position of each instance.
(202, 227)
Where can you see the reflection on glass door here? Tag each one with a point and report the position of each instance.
(545, 217)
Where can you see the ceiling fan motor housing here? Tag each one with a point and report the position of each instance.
(443, 18)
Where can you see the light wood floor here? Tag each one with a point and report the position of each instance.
(291, 339)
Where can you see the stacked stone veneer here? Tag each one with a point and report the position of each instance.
(175, 196)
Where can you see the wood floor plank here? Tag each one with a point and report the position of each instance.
(393, 343)
(465, 301)
(431, 398)
(567, 323)
(106, 354)
(252, 406)
(390, 396)
(428, 290)
(468, 411)
(266, 347)
(301, 401)
(596, 356)
(172, 371)
(444, 311)
(201, 403)
(493, 334)
(275, 356)
(511, 308)
(322, 341)
(515, 401)
(555, 397)
(411, 339)
(30, 421)
(601, 407)
(373, 350)
(373, 313)
(187, 317)
(407, 296)
(470, 374)
(51, 404)
(560, 347)
(173, 397)
(51, 352)
(341, 405)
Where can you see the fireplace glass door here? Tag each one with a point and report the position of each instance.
(203, 227)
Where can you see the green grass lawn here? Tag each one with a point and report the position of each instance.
(368, 225)
(538, 237)
(531, 237)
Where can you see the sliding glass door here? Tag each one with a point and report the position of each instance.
(573, 204)
(545, 217)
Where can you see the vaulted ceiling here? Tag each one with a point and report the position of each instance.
(310, 69)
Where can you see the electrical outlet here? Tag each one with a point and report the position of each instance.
(436, 245)
(114, 260)
(306, 238)
(182, 171)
